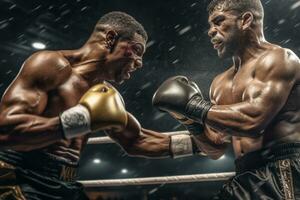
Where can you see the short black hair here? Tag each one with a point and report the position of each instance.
(241, 6)
(125, 25)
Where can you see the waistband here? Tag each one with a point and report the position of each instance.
(41, 163)
(260, 158)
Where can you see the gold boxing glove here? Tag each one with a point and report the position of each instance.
(100, 108)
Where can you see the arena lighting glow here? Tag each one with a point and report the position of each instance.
(96, 161)
(124, 171)
(38, 45)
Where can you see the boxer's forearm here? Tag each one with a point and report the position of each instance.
(137, 141)
(151, 144)
(146, 143)
(25, 132)
(241, 119)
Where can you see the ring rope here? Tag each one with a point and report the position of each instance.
(159, 180)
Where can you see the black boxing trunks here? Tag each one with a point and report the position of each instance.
(38, 176)
(268, 174)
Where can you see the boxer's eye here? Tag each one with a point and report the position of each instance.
(218, 20)
(138, 49)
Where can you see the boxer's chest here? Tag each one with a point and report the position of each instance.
(231, 87)
(65, 96)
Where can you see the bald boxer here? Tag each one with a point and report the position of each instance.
(56, 101)
(255, 101)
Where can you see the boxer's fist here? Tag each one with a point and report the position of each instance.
(174, 94)
(100, 108)
(180, 96)
(106, 107)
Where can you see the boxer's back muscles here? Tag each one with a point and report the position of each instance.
(45, 86)
(263, 98)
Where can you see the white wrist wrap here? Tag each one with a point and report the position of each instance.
(75, 121)
(181, 145)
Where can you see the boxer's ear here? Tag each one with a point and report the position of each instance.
(247, 19)
(111, 39)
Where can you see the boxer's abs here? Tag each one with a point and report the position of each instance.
(63, 151)
(68, 150)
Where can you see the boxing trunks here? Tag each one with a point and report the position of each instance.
(38, 176)
(267, 174)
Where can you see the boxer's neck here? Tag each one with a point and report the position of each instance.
(252, 46)
(88, 62)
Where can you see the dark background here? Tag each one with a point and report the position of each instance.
(178, 44)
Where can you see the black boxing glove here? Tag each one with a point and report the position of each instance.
(180, 96)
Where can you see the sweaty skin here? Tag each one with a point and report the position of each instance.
(257, 99)
(50, 82)
(259, 103)
(45, 86)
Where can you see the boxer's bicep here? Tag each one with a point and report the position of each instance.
(262, 99)
(26, 99)
(267, 93)
(19, 99)
(40, 73)
(21, 126)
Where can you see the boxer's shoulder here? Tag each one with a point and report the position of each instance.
(279, 54)
(47, 61)
(278, 62)
(46, 68)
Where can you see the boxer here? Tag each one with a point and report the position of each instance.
(54, 104)
(255, 101)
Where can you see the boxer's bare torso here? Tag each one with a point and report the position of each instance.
(56, 88)
(248, 82)
(50, 82)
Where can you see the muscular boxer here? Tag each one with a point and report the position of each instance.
(56, 101)
(256, 101)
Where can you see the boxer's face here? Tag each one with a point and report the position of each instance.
(224, 32)
(126, 57)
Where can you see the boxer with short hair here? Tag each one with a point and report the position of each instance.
(255, 101)
(56, 101)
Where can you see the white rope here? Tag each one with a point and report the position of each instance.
(152, 180)
(159, 180)
(107, 140)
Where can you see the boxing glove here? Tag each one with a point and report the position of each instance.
(180, 96)
(100, 108)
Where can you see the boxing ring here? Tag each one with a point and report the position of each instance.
(153, 180)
